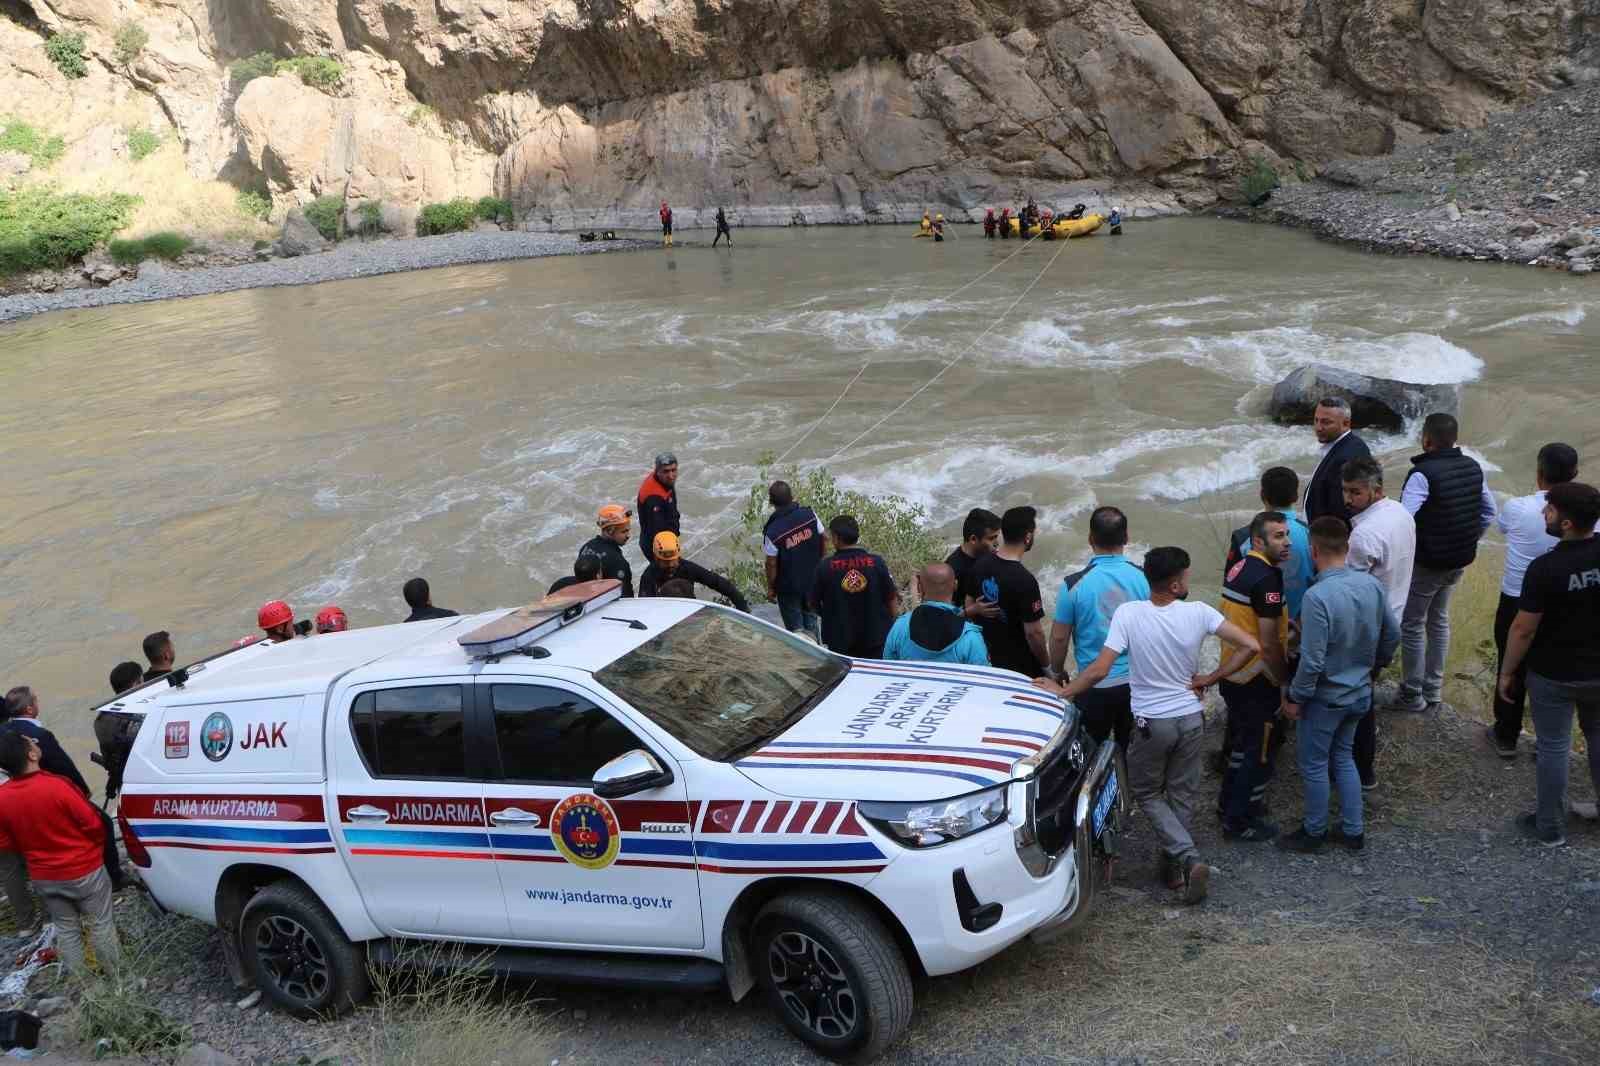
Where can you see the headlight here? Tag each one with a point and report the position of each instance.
(927, 825)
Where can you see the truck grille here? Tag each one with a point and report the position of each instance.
(1054, 801)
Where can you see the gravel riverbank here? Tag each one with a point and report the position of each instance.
(352, 259)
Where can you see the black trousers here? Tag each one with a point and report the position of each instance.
(1507, 715)
(1252, 721)
(1107, 712)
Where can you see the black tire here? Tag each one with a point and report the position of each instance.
(833, 972)
(299, 956)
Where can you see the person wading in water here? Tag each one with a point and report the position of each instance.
(722, 229)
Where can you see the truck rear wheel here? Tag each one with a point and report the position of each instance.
(833, 972)
(298, 954)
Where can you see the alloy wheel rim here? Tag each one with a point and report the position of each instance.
(294, 959)
(812, 985)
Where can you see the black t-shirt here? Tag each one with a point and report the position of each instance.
(612, 563)
(1563, 585)
(851, 592)
(1014, 588)
(962, 564)
(428, 613)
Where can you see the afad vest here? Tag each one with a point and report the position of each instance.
(1449, 522)
(793, 531)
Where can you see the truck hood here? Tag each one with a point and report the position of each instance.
(901, 731)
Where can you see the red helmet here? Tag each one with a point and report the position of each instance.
(274, 613)
(331, 619)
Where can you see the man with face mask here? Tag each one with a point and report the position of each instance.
(1014, 634)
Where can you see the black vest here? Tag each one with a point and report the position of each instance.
(852, 598)
(793, 531)
(1449, 523)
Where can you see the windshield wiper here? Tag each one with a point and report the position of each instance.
(800, 711)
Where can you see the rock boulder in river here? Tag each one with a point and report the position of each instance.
(1381, 402)
(300, 237)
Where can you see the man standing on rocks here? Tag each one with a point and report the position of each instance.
(792, 545)
(1346, 633)
(1014, 634)
(1556, 636)
(854, 593)
(1447, 495)
(1522, 521)
(658, 504)
(615, 523)
(1325, 493)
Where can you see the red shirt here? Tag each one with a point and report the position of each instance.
(47, 820)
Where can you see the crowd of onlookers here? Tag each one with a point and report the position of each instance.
(1321, 590)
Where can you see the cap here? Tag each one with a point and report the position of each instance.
(274, 613)
(613, 514)
(665, 546)
(331, 619)
(665, 459)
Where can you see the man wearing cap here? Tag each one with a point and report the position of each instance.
(616, 525)
(658, 504)
(669, 564)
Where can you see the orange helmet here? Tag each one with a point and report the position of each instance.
(613, 514)
(331, 619)
(274, 613)
(665, 546)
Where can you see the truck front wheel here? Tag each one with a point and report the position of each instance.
(298, 954)
(833, 972)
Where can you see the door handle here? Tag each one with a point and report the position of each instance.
(514, 816)
(367, 813)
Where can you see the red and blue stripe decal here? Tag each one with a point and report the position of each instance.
(212, 822)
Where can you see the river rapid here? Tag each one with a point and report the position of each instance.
(173, 465)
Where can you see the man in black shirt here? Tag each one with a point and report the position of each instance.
(1557, 631)
(1014, 634)
(668, 563)
(616, 526)
(980, 535)
(158, 649)
(420, 599)
(854, 593)
(587, 568)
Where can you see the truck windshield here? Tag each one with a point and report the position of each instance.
(722, 683)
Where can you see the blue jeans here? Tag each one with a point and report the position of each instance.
(1553, 704)
(796, 617)
(1328, 734)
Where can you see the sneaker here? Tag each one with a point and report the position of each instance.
(1195, 876)
(1589, 812)
(1501, 748)
(1407, 704)
(1255, 832)
(1529, 824)
(1336, 834)
(1302, 841)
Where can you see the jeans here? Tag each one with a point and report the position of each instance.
(1507, 716)
(1252, 719)
(1425, 633)
(1552, 703)
(796, 617)
(1164, 779)
(86, 900)
(14, 874)
(1106, 712)
(1327, 735)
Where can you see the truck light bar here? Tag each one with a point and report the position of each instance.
(521, 628)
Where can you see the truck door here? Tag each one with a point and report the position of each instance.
(579, 869)
(409, 806)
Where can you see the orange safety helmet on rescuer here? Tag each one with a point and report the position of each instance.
(613, 514)
(331, 619)
(274, 613)
(666, 546)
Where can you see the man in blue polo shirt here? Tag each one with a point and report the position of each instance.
(1280, 491)
(1083, 614)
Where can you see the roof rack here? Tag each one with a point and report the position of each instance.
(518, 630)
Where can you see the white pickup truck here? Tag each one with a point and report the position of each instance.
(593, 789)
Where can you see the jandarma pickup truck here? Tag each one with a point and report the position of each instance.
(592, 789)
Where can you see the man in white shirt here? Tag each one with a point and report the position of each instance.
(1522, 522)
(1162, 637)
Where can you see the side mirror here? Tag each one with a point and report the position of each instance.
(631, 772)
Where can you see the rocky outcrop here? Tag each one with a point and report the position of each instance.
(1380, 402)
(808, 110)
(299, 236)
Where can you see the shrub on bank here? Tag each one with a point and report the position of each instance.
(163, 245)
(1259, 183)
(66, 52)
(142, 141)
(327, 214)
(253, 204)
(244, 71)
(319, 72)
(493, 209)
(42, 229)
(371, 215)
(130, 41)
(453, 216)
(19, 136)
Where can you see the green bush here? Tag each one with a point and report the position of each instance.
(19, 136)
(319, 72)
(371, 214)
(253, 204)
(163, 245)
(244, 71)
(41, 228)
(142, 141)
(891, 526)
(492, 209)
(326, 213)
(451, 217)
(66, 52)
(130, 41)
(1259, 183)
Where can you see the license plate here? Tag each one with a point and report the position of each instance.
(1103, 805)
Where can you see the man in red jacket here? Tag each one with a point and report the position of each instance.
(59, 834)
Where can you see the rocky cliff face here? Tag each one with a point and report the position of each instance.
(590, 111)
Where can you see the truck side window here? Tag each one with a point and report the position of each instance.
(549, 735)
(410, 732)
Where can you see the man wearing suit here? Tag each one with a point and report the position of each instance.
(1325, 494)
